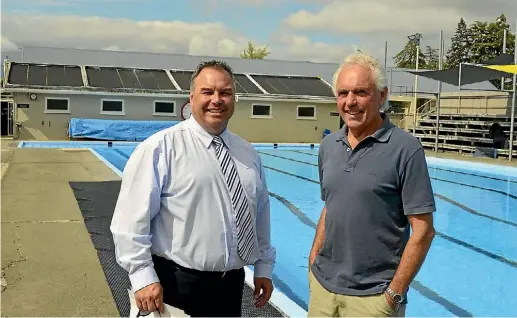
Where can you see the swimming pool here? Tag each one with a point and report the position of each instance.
(471, 268)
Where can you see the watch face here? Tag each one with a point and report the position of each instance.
(397, 298)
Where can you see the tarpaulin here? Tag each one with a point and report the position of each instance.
(125, 130)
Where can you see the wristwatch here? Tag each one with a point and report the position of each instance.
(397, 298)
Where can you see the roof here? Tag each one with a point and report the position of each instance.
(92, 78)
(399, 79)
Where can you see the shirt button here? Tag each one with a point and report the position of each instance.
(347, 149)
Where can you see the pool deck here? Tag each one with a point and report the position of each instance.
(48, 260)
(470, 158)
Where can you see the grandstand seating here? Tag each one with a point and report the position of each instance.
(464, 133)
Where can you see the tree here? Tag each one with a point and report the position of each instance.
(406, 58)
(432, 58)
(487, 41)
(254, 53)
(460, 49)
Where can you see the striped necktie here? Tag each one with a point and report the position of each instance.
(245, 235)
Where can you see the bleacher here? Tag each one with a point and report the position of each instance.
(465, 133)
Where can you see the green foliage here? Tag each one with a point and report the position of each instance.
(431, 58)
(255, 53)
(477, 43)
(407, 57)
(460, 49)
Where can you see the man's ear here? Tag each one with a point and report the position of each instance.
(384, 95)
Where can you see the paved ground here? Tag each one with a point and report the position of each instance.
(48, 260)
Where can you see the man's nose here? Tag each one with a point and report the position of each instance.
(216, 98)
(351, 99)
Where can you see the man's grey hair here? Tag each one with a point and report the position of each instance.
(369, 62)
(220, 65)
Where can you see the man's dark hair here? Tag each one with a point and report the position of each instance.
(221, 65)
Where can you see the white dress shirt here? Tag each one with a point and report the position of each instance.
(174, 203)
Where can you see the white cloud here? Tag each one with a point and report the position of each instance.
(156, 36)
(372, 16)
(7, 45)
(372, 22)
(122, 34)
(299, 47)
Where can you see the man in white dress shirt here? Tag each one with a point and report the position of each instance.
(193, 209)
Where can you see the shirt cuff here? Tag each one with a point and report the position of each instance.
(263, 270)
(144, 277)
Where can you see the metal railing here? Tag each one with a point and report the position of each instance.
(459, 128)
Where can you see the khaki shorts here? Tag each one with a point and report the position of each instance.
(324, 303)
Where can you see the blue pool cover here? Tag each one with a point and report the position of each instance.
(123, 130)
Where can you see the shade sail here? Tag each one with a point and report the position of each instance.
(470, 74)
(502, 59)
(511, 69)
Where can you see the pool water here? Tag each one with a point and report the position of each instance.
(471, 268)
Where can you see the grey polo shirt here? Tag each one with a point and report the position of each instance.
(368, 193)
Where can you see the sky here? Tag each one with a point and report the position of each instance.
(314, 30)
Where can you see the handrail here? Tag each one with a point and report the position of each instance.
(421, 110)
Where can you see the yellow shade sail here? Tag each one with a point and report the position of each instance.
(512, 69)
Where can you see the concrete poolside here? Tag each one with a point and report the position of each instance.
(470, 158)
(48, 260)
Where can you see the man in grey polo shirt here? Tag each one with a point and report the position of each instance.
(376, 187)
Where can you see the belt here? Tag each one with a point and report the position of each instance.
(196, 272)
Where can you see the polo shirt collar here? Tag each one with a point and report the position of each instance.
(383, 134)
(205, 136)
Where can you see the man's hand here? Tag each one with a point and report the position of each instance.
(263, 290)
(150, 298)
(390, 300)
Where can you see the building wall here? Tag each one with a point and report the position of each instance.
(36, 124)
(281, 126)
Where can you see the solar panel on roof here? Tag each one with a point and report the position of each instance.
(45, 75)
(103, 77)
(129, 79)
(18, 74)
(244, 85)
(146, 80)
(290, 85)
(182, 78)
(162, 80)
(37, 75)
(59, 75)
(269, 84)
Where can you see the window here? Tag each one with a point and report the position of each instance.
(261, 111)
(57, 105)
(112, 107)
(306, 112)
(164, 108)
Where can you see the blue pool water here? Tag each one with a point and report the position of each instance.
(471, 268)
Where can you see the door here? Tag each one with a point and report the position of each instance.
(7, 119)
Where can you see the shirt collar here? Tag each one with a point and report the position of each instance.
(382, 134)
(204, 135)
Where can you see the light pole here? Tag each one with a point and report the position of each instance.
(415, 38)
(512, 117)
(499, 20)
(504, 51)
